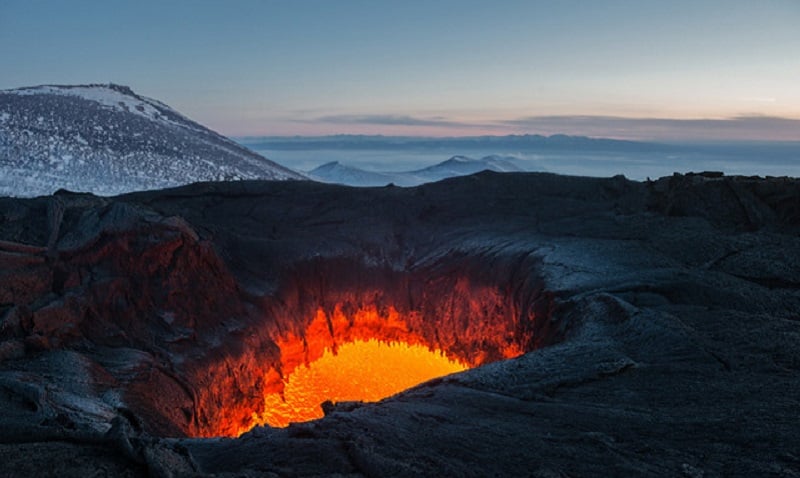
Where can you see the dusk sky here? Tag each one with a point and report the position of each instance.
(636, 69)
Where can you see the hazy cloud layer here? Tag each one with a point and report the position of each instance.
(742, 127)
(391, 120)
(737, 128)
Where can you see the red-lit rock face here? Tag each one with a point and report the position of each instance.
(165, 326)
(363, 355)
(451, 317)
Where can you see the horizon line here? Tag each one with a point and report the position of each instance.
(741, 127)
(508, 135)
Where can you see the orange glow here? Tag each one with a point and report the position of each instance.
(359, 370)
(362, 353)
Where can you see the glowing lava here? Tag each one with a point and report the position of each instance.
(359, 370)
(363, 353)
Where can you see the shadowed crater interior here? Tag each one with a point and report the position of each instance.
(439, 318)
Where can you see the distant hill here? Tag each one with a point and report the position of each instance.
(335, 172)
(338, 173)
(462, 166)
(108, 140)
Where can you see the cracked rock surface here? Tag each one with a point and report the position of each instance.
(662, 321)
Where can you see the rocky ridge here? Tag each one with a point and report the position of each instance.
(660, 319)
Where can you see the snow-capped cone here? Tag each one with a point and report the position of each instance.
(106, 139)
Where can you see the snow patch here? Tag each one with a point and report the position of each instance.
(111, 141)
(105, 95)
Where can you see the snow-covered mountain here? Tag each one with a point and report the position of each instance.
(335, 172)
(462, 166)
(108, 140)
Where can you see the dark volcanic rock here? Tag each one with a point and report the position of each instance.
(661, 321)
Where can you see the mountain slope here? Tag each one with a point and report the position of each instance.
(462, 166)
(106, 139)
(335, 172)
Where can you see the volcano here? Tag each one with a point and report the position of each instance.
(562, 326)
(107, 139)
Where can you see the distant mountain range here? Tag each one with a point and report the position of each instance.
(335, 172)
(555, 142)
(109, 140)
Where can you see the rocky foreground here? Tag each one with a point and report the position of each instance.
(661, 321)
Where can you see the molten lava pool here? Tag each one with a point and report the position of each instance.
(366, 370)
(365, 352)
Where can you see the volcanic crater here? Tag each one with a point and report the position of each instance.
(609, 326)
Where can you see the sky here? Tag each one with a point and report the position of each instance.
(632, 69)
